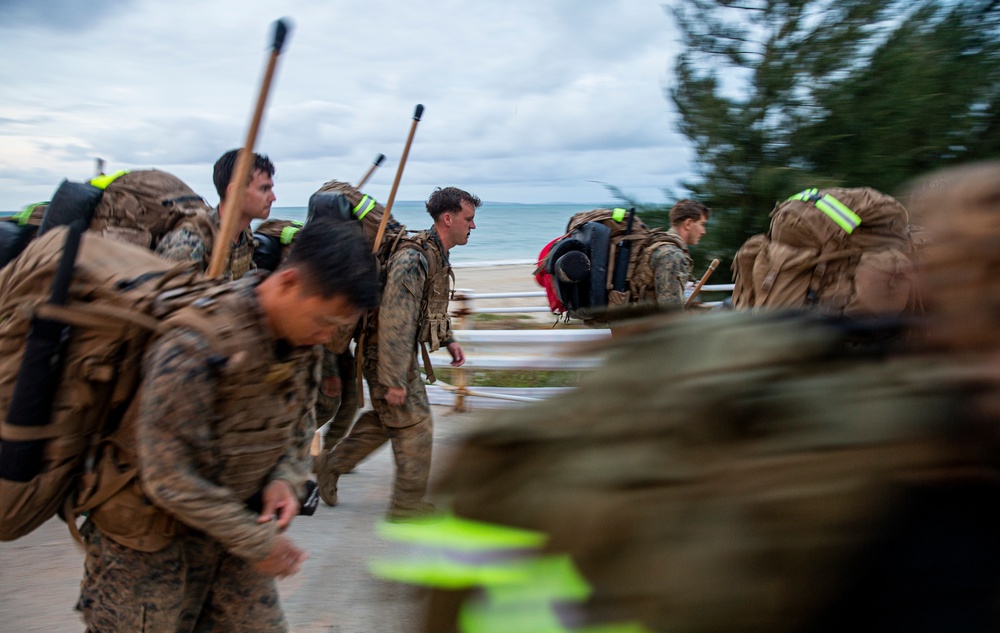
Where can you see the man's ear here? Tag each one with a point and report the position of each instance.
(289, 280)
(447, 219)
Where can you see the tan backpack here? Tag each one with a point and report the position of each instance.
(843, 251)
(143, 205)
(74, 327)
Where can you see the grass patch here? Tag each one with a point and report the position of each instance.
(513, 378)
(489, 321)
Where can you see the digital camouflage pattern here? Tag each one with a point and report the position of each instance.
(175, 589)
(188, 243)
(671, 266)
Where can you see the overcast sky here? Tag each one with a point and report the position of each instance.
(526, 100)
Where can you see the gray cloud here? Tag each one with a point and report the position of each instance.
(529, 101)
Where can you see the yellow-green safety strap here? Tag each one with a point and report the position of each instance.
(358, 212)
(288, 233)
(836, 210)
(24, 214)
(441, 534)
(519, 592)
(618, 214)
(102, 182)
(451, 531)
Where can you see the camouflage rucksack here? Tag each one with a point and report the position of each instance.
(74, 326)
(141, 206)
(843, 251)
(337, 201)
(775, 468)
(138, 207)
(585, 265)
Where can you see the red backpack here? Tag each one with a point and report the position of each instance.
(544, 278)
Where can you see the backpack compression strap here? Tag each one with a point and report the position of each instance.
(836, 210)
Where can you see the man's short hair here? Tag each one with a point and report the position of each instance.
(226, 164)
(335, 259)
(688, 209)
(449, 199)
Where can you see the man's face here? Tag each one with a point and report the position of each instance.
(692, 230)
(259, 196)
(462, 223)
(311, 319)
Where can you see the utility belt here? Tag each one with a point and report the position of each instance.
(129, 518)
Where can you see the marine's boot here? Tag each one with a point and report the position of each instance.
(414, 511)
(326, 478)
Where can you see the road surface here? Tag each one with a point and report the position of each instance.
(334, 593)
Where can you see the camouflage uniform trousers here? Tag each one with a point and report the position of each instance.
(193, 585)
(408, 427)
(339, 410)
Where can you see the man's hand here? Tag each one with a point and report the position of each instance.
(395, 395)
(284, 560)
(457, 355)
(281, 503)
(331, 386)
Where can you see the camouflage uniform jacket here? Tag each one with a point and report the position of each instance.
(671, 265)
(220, 419)
(186, 243)
(413, 308)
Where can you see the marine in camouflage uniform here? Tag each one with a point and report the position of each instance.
(412, 311)
(671, 262)
(220, 438)
(788, 473)
(185, 243)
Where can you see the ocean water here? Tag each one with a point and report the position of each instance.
(504, 231)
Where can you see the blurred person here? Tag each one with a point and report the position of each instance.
(224, 415)
(184, 244)
(786, 472)
(671, 261)
(412, 315)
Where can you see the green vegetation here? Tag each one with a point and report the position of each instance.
(779, 95)
(512, 378)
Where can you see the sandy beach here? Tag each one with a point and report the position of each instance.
(502, 278)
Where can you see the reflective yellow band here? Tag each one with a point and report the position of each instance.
(453, 532)
(358, 213)
(24, 214)
(806, 196)
(836, 210)
(444, 573)
(839, 213)
(550, 578)
(536, 617)
(102, 182)
(618, 215)
(288, 233)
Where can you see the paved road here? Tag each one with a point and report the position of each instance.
(334, 593)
